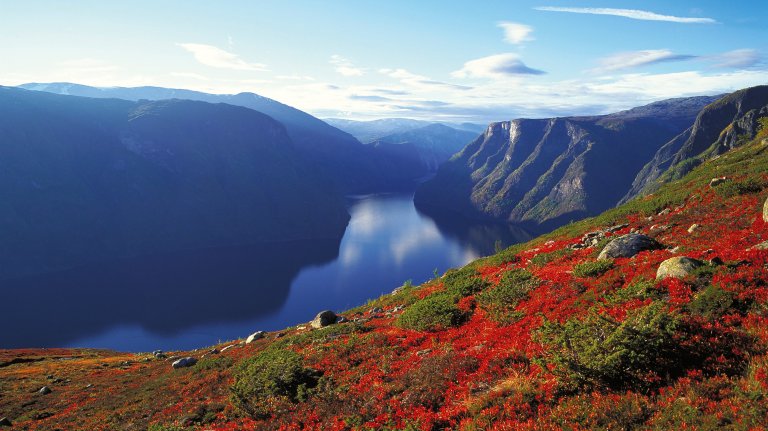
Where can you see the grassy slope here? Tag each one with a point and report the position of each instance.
(511, 356)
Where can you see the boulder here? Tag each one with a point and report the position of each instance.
(255, 336)
(762, 246)
(693, 228)
(184, 362)
(628, 246)
(714, 182)
(5, 422)
(765, 211)
(45, 390)
(323, 319)
(677, 267)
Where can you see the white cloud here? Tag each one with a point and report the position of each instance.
(212, 56)
(516, 33)
(737, 59)
(419, 81)
(495, 66)
(632, 59)
(346, 67)
(628, 13)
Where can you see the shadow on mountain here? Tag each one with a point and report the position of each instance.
(483, 238)
(164, 294)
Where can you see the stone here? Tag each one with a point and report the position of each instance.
(628, 246)
(762, 246)
(677, 267)
(375, 310)
(693, 228)
(258, 335)
(664, 212)
(323, 319)
(765, 211)
(184, 362)
(45, 390)
(714, 182)
(228, 347)
(5, 422)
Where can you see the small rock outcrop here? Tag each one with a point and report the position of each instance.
(184, 362)
(323, 319)
(5, 422)
(255, 336)
(714, 182)
(45, 390)
(628, 246)
(693, 228)
(677, 267)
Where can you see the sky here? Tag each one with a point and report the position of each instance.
(455, 60)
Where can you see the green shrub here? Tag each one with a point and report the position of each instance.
(599, 352)
(159, 427)
(435, 312)
(743, 187)
(640, 289)
(542, 259)
(711, 302)
(273, 377)
(217, 362)
(463, 282)
(500, 302)
(592, 269)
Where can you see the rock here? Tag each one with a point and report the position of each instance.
(323, 319)
(5, 422)
(375, 310)
(677, 267)
(184, 362)
(89, 386)
(628, 246)
(214, 351)
(664, 212)
(714, 182)
(617, 227)
(765, 211)
(255, 336)
(762, 246)
(716, 261)
(341, 319)
(228, 347)
(45, 390)
(693, 227)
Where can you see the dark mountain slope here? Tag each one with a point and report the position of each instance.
(550, 171)
(353, 166)
(429, 145)
(721, 126)
(87, 179)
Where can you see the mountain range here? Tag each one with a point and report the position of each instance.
(87, 179)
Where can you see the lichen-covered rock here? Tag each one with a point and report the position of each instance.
(184, 362)
(323, 319)
(628, 246)
(765, 211)
(255, 336)
(677, 267)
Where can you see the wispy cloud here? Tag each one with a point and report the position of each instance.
(369, 98)
(419, 81)
(495, 66)
(346, 67)
(212, 56)
(633, 59)
(628, 13)
(738, 59)
(516, 33)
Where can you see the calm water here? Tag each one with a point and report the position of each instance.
(194, 299)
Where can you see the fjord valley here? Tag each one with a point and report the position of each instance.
(378, 216)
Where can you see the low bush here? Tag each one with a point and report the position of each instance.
(500, 302)
(592, 269)
(435, 312)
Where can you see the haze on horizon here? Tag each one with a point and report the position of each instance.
(429, 60)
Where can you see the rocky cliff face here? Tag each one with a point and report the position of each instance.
(550, 171)
(719, 127)
(91, 179)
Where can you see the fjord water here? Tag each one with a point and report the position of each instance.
(193, 299)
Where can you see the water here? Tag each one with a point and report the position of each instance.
(195, 299)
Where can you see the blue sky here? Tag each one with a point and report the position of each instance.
(363, 59)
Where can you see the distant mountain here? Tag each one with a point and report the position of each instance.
(543, 173)
(87, 179)
(376, 130)
(430, 145)
(353, 167)
(719, 127)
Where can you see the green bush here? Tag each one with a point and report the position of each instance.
(743, 187)
(463, 282)
(216, 362)
(272, 378)
(500, 302)
(592, 269)
(542, 259)
(711, 302)
(640, 289)
(599, 352)
(435, 312)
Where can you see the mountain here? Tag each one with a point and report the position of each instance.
(375, 130)
(431, 145)
(353, 166)
(544, 335)
(546, 172)
(719, 127)
(86, 179)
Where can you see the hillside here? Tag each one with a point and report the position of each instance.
(86, 180)
(353, 166)
(373, 130)
(547, 172)
(429, 146)
(589, 327)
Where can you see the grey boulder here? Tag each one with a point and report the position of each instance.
(628, 246)
(323, 319)
(184, 362)
(677, 267)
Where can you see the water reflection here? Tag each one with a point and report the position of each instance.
(194, 299)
